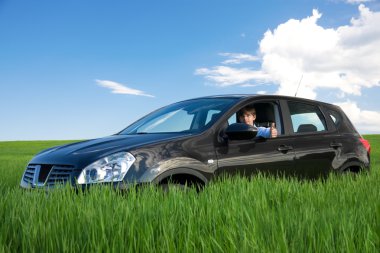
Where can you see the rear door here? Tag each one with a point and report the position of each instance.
(314, 144)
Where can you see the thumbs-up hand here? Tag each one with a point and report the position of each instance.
(273, 130)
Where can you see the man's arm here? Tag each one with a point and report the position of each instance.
(263, 132)
(267, 132)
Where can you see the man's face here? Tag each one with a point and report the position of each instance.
(248, 117)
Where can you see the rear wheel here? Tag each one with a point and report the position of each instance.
(351, 170)
(354, 167)
(354, 171)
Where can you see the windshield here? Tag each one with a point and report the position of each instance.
(191, 116)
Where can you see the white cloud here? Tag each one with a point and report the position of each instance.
(118, 88)
(226, 76)
(346, 58)
(364, 120)
(357, 1)
(261, 92)
(234, 58)
(343, 60)
(245, 85)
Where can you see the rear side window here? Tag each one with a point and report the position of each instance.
(306, 118)
(335, 117)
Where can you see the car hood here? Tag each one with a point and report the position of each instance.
(81, 154)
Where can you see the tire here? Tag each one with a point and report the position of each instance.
(173, 187)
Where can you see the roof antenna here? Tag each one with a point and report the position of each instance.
(298, 86)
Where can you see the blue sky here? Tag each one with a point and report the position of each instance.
(86, 69)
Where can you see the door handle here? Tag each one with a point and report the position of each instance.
(284, 148)
(335, 144)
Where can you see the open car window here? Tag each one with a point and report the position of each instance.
(266, 114)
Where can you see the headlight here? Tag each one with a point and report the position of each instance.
(108, 169)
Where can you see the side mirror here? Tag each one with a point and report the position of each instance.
(241, 131)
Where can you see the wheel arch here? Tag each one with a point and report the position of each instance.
(354, 166)
(181, 175)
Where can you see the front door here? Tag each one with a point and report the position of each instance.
(248, 157)
(266, 155)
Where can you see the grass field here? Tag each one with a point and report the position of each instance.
(341, 214)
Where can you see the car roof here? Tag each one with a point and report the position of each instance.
(249, 96)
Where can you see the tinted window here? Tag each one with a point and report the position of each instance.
(335, 117)
(306, 118)
(211, 115)
(175, 121)
(187, 116)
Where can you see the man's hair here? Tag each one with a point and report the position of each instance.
(247, 108)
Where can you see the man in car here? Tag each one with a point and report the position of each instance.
(247, 115)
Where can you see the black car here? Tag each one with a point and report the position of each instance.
(197, 140)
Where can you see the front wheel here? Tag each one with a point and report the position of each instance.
(166, 187)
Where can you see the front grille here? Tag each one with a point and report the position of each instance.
(47, 174)
(29, 174)
(44, 173)
(60, 174)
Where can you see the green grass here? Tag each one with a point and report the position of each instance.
(341, 214)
